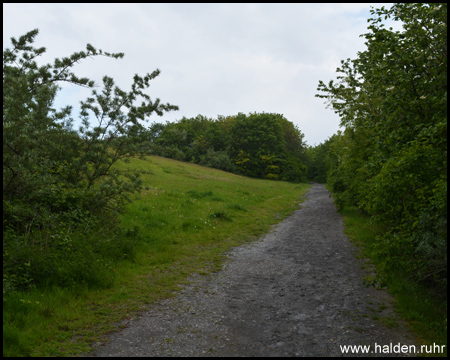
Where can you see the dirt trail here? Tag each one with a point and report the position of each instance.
(296, 292)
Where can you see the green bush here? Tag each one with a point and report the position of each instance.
(61, 191)
(391, 159)
(217, 160)
(67, 256)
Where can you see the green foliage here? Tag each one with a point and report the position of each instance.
(267, 145)
(318, 161)
(425, 310)
(217, 160)
(391, 159)
(258, 145)
(257, 136)
(59, 185)
(293, 169)
(187, 139)
(66, 257)
(241, 161)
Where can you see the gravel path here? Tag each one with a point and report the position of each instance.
(296, 292)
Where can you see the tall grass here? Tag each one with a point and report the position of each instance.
(419, 306)
(183, 222)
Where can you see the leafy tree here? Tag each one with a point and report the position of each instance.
(55, 178)
(42, 154)
(391, 158)
(293, 169)
(241, 161)
(293, 163)
(217, 160)
(189, 138)
(266, 145)
(318, 160)
(148, 138)
(293, 138)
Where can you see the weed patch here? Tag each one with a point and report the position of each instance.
(220, 215)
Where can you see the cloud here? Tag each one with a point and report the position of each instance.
(214, 58)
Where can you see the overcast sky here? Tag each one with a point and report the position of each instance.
(215, 59)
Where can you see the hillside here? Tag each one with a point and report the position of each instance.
(183, 222)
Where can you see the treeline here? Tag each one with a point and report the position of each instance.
(317, 161)
(390, 160)
(260, 145)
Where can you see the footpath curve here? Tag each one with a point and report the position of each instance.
(296, 292)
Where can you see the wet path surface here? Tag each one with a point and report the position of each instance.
(296, 292)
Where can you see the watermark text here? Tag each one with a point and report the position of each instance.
(392, 349)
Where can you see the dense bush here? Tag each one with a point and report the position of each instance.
(317, 161)
(61, 193)
(217, 160)
(391, 158)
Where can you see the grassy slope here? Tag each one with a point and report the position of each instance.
(188, 217)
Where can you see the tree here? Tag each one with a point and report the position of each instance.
(267, 145)
(43, 158)
(255, 135)
(391, 158)
(53, 176)
(259, 145)
(318, 160)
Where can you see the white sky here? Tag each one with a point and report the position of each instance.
(215, 59)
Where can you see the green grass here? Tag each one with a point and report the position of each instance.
(187, 217)
(423, 311)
